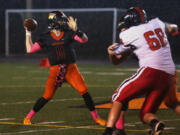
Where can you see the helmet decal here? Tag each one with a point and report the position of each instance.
(51, 15)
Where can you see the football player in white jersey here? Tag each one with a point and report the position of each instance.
(148, 40)
(171, 100)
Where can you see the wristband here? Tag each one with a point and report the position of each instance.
(79, 33)
(28, 33)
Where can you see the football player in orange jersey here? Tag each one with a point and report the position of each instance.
(58, 40)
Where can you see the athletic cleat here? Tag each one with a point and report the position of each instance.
(100, 121)
(107, 133)
(119, 132)
(27, 121)
(157, 129)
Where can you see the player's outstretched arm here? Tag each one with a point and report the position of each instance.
(28, 41)
(30, 47)
(29, 25)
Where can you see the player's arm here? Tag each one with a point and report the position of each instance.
(30, 47)
(28, 41)
(171, 29)
(116, 59)
(118, 53)
(80, 36)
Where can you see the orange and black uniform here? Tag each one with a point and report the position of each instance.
(60, 49)
(61, 56)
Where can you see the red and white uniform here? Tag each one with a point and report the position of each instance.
(155, 76)
(153, 49)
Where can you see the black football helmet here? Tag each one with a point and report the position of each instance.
(58, 20)
(134, 16)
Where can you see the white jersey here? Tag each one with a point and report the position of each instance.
(151, 43)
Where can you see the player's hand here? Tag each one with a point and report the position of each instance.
(174, 30)
(111, 49)
(72, 23)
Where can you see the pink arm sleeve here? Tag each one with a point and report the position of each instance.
(79, 39)
(35, 48)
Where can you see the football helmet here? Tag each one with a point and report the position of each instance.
(134, 16)
(58, 20)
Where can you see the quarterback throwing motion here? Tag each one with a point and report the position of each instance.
(62, 32)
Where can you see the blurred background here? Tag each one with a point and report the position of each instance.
(97, 18)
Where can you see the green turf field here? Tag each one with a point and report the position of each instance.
(22, 84)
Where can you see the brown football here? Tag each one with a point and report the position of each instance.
(30, 24)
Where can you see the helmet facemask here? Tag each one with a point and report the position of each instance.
(58, 21)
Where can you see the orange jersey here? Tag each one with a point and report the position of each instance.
(59, 48)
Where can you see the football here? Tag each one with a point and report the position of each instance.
(30, 24)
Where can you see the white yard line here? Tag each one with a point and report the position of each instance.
(139, 123)
(169, 128)
(42, 86)
(126, 69)
(56, 100)
(178, 70)
(110, 73)
(5, 119)
(86, 72)
(21, 86)
(172, 120)
(51, 122)
(133, 124)
(33, 131)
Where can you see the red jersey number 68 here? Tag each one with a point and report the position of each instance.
(155, 39)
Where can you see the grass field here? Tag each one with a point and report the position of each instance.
(22, 84)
